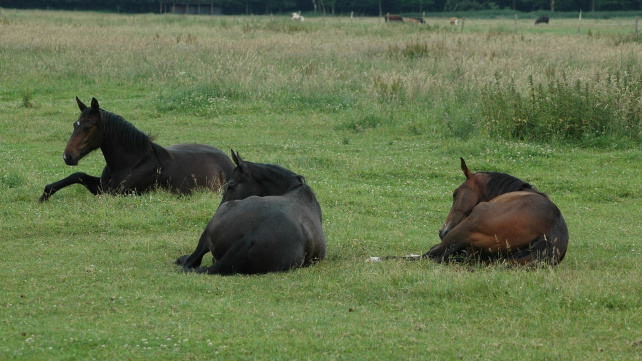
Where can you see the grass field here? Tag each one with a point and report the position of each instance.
(376, 117)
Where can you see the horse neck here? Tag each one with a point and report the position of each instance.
(496, 184)
(276, 182)
(123, 149)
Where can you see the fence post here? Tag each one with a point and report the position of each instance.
(351, 15)
(636, 26)
(515, 23)
(462, 24)
(579, 24)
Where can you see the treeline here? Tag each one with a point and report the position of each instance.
(337, 7)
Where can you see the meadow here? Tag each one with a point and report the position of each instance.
(375, 116)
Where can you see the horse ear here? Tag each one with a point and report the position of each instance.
(237, 160)
(465, 169)
(94, 105)
(81, 105)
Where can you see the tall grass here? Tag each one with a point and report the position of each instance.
(558, 110)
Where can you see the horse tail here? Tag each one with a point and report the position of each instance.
(234, 259)
(557, 240)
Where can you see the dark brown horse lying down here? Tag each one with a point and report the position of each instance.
(134, 162)
(269, 220)
(496, 216)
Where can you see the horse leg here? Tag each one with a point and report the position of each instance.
(233, 260)
(194, 260)
(454, 242)
(90, 182)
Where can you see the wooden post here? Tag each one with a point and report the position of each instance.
(636, 26)
(351, 15)
(579, 24)
(463, 20)
(515, 23)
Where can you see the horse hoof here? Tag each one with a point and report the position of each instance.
(181, 260)
(189, 270)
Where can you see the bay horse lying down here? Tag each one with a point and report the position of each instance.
(269, 220)
(495, 216)
(135, 163)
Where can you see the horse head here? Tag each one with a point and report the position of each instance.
(88, 133)
(465, 198)
(256, 179)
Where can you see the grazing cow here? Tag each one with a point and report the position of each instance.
(542, 20)
(454, 21)
(416, 20)
(297, 16)
(391, 18)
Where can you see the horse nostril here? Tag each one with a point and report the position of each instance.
(69, 160)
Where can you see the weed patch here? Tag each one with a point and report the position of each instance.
(559, 109)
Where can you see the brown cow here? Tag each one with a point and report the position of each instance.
(390, 18)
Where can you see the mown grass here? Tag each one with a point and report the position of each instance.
(375, 117)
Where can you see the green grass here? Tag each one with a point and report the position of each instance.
(375, 117)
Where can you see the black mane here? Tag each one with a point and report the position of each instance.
(501, 183)
(131, 136)
(273, 173)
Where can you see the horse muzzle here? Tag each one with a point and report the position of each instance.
(69, 160)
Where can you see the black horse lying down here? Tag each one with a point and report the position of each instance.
(134, 162)
(269, 220)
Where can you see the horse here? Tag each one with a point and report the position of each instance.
(542, 20)
(454, 21)
(269, 220)
(495, 216)
(134, 162)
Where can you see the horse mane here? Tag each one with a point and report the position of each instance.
(501, 183)
(275, 174)
(132, 136)
(269, 172)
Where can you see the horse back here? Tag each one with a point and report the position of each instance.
(190, 166)
(513, 221)
(281, 232)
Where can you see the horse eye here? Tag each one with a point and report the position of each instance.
(76, 125)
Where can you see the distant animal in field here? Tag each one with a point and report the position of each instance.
(393, 18)
(134, 162)
(297, 17)
(269, 220)
(415, 20)
(495, 216)
(541, 20)
(454, 21)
